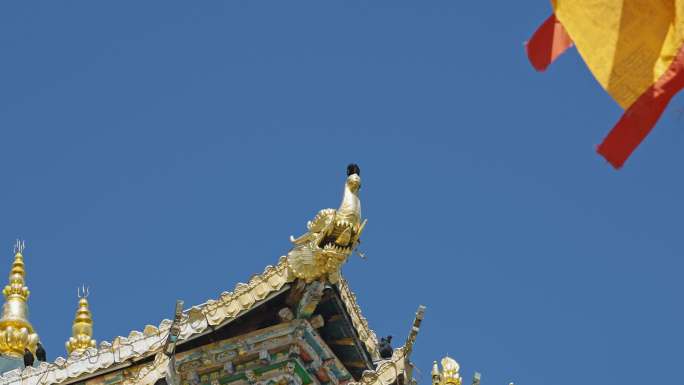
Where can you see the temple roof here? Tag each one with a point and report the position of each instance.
(306, 284)
(196, 321)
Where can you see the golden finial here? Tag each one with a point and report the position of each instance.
(449, 374)
(82, 328)
(16, 332)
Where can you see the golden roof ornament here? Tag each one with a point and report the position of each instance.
(16, 332)
(331, 237)
(82, 328)
(449, 374)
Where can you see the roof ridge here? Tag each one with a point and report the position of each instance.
(360, 323)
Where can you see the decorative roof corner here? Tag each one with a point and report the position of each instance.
(388, 371)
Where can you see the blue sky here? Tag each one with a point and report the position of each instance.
(163, 150)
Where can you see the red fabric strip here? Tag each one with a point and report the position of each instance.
(642, 115)
(548, 42)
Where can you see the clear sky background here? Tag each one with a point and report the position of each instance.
(163, 150)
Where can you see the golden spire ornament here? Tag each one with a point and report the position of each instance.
(449, 374)
(82, 328)
(16, 332)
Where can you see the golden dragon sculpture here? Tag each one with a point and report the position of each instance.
(331, 237)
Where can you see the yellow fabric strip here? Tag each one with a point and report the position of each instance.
(627, 44)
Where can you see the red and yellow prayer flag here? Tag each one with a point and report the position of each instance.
(634, 48)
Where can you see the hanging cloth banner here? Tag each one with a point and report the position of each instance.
(634, 48)
(547, 43)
